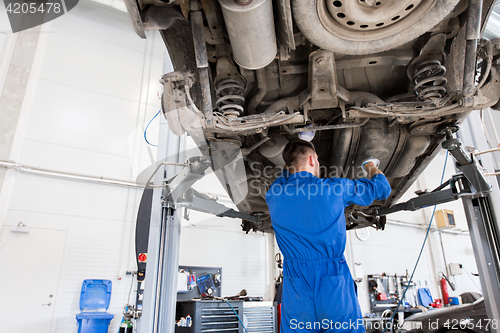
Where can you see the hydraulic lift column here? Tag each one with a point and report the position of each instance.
(163, 246)
(477, 196)
(164, 237)
(483, 219)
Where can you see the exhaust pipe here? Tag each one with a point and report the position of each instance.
(250, 25)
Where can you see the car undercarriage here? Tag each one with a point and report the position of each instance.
(381, 78)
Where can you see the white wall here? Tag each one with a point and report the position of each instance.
(93, 88)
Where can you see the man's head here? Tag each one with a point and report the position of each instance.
(301, 156)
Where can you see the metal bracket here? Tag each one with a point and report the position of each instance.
(322, 80)
(174, 99)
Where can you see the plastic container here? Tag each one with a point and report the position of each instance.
(95, 295)
(438, 303)
(93, 322)
(425, 297)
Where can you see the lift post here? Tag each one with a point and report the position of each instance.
(162, 266)
(472, 187)
(482, 223)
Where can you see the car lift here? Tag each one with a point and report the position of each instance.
(472, 187)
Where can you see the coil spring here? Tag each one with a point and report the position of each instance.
(429, 80)
(230, 100)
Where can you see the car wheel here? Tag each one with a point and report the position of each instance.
(367, 26)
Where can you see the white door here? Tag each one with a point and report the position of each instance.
(30, 265)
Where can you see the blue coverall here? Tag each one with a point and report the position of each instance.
(307, 214)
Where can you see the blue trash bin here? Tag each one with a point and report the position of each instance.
(95, 295)
(425, 297)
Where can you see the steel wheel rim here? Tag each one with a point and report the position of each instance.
(367, 30)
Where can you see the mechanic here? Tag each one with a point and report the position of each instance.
(307, 214)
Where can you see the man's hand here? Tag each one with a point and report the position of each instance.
(371, 166)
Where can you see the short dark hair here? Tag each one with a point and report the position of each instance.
(295, 150)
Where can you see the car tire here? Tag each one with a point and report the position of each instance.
(312, 19)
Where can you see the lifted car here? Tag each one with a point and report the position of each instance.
(381, 78)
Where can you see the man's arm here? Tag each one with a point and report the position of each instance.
(364, 191)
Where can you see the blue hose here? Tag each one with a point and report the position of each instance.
(236, 315)
(146, 129)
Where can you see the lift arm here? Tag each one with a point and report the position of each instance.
(200, 202)
(178, 192)
(436, 197)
